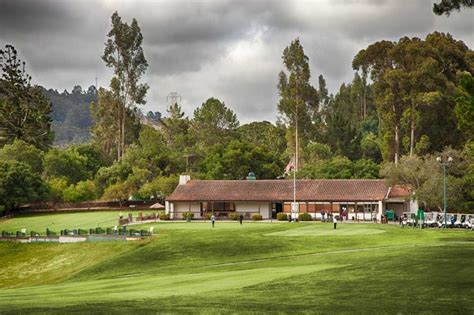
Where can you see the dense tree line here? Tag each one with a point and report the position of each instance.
(71, 117)
(408, 102)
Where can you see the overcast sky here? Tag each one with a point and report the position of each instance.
(226, 49)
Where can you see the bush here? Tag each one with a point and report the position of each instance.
(187, 215)
(234, 216)
(281, 216)
(99, 231)
(305, 217)
(50, 233)
(207, 216)
(257, 217)
(164, 216)
(82, 232)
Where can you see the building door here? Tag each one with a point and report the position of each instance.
(277, 207)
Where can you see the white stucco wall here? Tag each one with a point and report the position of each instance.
(254, 207)
(180, 207)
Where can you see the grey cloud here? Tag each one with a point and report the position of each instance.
(188, 44)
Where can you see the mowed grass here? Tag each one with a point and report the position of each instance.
(257, 267)
(59, 221)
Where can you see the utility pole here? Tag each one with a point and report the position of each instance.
(444, 165)
(295, 168)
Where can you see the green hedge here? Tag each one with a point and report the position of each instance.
(281, 216)
(82, 232)
(187, 215)
(164, 216)
(234, 216)
(257, 217)
(305, 217)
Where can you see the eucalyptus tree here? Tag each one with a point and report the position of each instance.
(299, 101)
(124, 53)
(414, 86)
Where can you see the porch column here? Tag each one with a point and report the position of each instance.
(380, 210)
(355, 211)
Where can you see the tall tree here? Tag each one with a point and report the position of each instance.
(105, 128)
(24, 111)
(124, 53)
(21, 151)
(19, 184)
(414, 76)
(447, 6)
(213, 123)
(465, 105)
(299, 102)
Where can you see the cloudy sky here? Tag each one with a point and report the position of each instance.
(227, 49)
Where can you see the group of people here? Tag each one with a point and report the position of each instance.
(213, 219)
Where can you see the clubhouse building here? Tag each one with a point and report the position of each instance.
(360, 199)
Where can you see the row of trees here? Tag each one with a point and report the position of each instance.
(408, 100)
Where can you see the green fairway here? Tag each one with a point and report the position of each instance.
(317, 230)
(60, 221)
(256, 267)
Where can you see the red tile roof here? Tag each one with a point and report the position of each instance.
(281, 190)
(399, 191)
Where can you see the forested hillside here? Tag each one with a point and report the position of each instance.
(71, 114)
(410, 102)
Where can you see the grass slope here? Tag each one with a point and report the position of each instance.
(257, 267)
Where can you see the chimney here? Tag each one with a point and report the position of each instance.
(184, 179)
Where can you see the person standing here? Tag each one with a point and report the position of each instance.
(213, 220)
(241, 218)
(334, 220)
(322, 215)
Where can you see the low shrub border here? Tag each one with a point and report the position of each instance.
(282, 216)
(305, 217)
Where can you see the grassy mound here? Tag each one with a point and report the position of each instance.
(257, 267)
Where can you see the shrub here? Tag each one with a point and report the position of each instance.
(187, 215)
(257, 217)
(50, 233)
(234, 216)
(281, 216)
(164, 216)
(305, 217)
(82, 232)
(207, 216)
(99, 231)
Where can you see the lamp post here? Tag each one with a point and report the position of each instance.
(444, 165)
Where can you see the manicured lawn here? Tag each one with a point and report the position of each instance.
(257, 267)
(60, 221)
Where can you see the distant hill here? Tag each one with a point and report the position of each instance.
(71, 114)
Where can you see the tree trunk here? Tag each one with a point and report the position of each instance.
(123, 132)
(397, 144)
(412, 137)
(412, 130)
(119, 132)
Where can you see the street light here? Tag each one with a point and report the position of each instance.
(444, 165)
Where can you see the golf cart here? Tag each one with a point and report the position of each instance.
(460, 218)
(431, 219)
(468, 222)
(449, 220)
